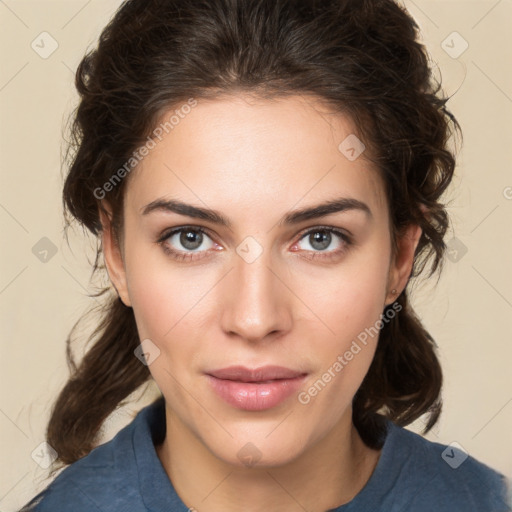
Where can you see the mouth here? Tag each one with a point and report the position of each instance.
(255, 389)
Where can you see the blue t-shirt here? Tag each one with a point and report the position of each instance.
(412, 475)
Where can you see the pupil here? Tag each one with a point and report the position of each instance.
(321, 237)
(191, 239)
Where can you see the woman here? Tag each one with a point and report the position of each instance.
(265, 177)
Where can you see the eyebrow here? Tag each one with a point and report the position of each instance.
(341, 204)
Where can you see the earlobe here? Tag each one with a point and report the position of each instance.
(401, 267)
(112, 254)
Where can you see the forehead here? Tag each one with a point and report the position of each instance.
(256, 154)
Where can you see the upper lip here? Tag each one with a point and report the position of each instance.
(263, 373)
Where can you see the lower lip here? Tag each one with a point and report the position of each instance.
(255, 396)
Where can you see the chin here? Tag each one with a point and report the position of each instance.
(259, 451)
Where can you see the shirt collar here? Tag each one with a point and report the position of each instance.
(155, 487)
(159, 494)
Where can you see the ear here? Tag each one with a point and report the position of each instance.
(401, 266)
(113, 254)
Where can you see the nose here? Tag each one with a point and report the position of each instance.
(256, 300)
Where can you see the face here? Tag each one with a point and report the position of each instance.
(266, 286)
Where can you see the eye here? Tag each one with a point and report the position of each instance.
(185, 242)
(320, 239)
(188, 243)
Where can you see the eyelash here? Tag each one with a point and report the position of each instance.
(191, 256)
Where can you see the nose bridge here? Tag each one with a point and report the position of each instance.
(257, 304)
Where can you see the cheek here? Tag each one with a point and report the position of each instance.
(171, 302)
(162, 293)
(164, 312)
(165, 303)
(351, 298)
(351, 308)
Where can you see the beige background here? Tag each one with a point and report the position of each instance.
(469, 312)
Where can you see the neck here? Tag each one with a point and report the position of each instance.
(325, 476)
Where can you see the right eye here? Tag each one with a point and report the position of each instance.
(184, 243)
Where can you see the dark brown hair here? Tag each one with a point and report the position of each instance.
(363, 58)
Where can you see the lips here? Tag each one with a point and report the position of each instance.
(255, 389)
(262, 374)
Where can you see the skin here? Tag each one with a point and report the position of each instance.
(254, 161)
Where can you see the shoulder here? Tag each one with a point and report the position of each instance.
(448, 478)
(105, 479)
